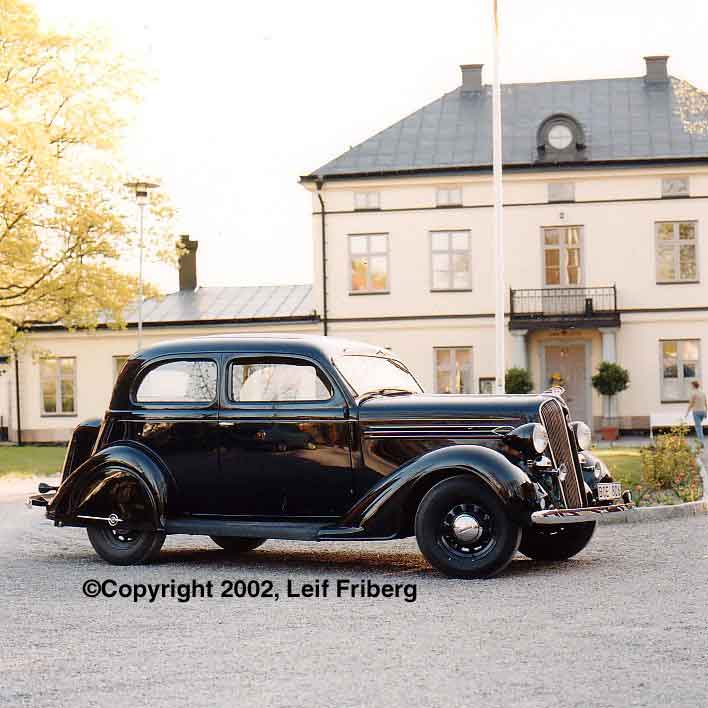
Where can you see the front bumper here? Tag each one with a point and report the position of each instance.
(577, 516)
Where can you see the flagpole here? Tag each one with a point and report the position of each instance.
(500, 290)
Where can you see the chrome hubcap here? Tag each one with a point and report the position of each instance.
(466, 528)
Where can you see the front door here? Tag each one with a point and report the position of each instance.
(565, 365)
(285, 440)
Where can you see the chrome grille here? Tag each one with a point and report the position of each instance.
(554, 420)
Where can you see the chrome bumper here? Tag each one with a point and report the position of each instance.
(577, 516)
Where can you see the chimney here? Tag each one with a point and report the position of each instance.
(656, 69)
(188, 264)
(471, 78)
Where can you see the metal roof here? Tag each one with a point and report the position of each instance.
(228, 304)
(623, 119)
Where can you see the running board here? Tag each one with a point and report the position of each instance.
(286, 530)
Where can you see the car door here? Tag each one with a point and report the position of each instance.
(175, 413)
(285, 439)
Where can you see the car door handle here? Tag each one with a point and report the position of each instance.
(228, 423)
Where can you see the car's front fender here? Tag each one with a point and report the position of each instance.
(388, 508)
(79, 494)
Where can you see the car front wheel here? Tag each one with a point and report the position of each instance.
(236, 544)
(463, 529)
(123, 546)
(556, 543)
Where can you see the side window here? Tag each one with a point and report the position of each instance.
(184, 381)
(273, 380)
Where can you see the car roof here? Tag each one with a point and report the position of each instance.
(310, 345)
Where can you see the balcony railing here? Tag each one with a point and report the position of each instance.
(575, 305)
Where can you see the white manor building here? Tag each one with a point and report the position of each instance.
(606, 208)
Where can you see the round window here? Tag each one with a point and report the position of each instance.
(560, 136)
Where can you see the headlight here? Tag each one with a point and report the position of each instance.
(531, 439)
(583, 435)
(539, 438)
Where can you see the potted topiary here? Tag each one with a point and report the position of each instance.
(610, 380)
(518, 380)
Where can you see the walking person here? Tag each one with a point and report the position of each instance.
(697, 404)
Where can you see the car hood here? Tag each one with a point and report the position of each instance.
(503, 410)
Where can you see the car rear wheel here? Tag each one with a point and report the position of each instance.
(124, 546)
(463, 529)
(236, 544)
(556, 543)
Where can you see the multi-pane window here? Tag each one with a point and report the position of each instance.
(58, 383)
(366, 200)
(368, 256)
(184, 381)
(562, 256)
(674, 187)
(118, 364)
(561, 192)
(449, 196)
(450, 260)
(676, 257)
(453, 370)
(679, 367)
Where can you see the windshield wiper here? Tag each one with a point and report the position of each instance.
(383, 392)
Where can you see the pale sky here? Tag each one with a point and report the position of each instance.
(248, 96)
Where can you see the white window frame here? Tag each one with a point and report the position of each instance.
(679, 368)
(444, 196)
(58, 385)
(451, 253)
(563, 257)
(676, 243)
(117, 369)
(668, 193)
(451, 352)
(369, 253)
(367, 201)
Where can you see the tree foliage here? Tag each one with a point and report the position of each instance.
(518, 380)
(65, 219)
(610, 379)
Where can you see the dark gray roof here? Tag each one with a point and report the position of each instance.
(623, 119)
(228, 304)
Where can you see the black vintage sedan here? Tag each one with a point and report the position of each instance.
(247, 438)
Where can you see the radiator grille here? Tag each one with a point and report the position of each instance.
(554, 420)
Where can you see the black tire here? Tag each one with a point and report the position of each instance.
(556, 543)
(125, 547)
(447, 501)
(236, 544)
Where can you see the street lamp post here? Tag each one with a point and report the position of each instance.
(498, 209)
(141, 190)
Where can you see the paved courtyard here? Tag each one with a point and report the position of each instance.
(624, 624)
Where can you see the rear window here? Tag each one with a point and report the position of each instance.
(184, 381)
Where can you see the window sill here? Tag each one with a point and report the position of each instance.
(58, 415)
(450, 290)
(674, 400)
(449, 206)
(370, 292)
(367, 209)
(678, 282)
(675, 196)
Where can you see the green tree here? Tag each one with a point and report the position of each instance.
(610, 380)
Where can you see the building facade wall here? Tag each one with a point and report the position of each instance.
(617, 210)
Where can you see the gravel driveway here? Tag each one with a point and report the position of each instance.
(623, 624)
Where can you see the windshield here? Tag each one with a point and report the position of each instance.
(371, 373)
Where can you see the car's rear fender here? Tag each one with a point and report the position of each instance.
(96, 485)
(388, 509)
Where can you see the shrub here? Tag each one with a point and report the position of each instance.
(518, 380)
(670, 465)
(610, 379)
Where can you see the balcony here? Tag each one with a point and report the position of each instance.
(564, 308)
